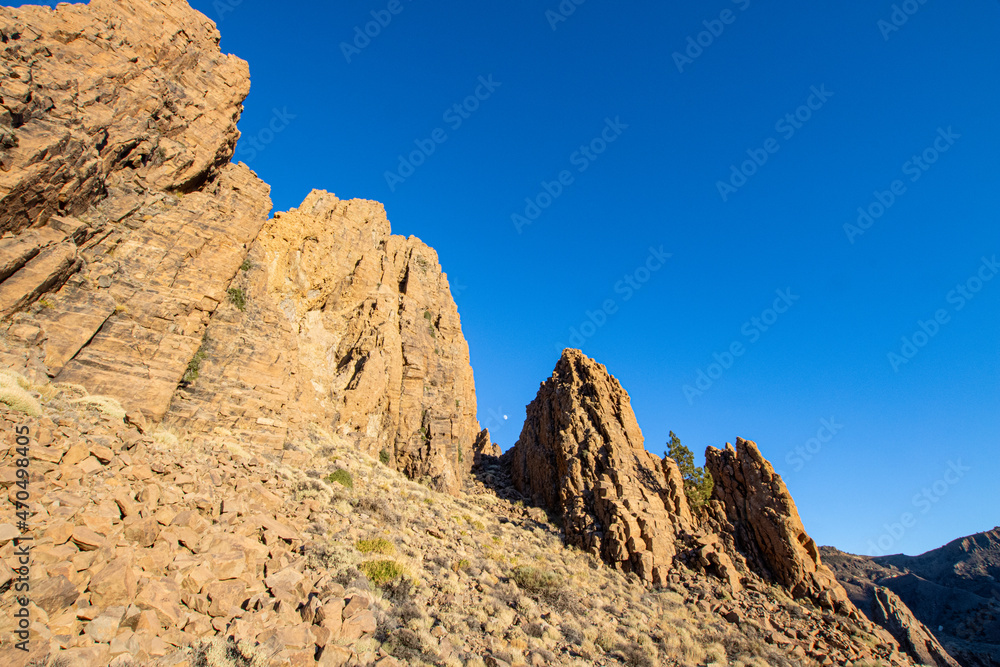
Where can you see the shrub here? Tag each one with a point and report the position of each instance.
(381, 572)
(246, 265)
(378, 508)
(238, 297)
(383, 457)
(216, 652)
(636, 655)
(13, 392)
(108, 406)
(535, 581)
(194, 366)
(342, 477)
(379, 545)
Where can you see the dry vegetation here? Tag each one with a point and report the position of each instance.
(460, 578)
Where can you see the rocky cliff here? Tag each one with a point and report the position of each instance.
(219, 403)
(890, 612)
(756, 510)
(138, 262)
(581, 455)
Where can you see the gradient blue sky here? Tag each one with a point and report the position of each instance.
(519, 294)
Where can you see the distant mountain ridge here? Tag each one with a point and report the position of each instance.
(954, 590)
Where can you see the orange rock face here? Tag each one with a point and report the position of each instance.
(346, 326)
(138, 262)
(762, 517)
(581, 455)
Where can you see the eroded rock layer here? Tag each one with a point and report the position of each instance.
(581, 455)
(138, 262)
(757, 510)
(890, 612)
(345, 325)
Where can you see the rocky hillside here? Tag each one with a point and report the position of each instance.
(240, 439)
(952, 590)
(581, 456)
(137, 261)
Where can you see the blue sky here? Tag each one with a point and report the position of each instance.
(833, 110)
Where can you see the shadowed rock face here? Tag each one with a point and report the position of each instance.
(890, 612)
(951, 590)
(141, 264)
(581, 455)
(762, 517)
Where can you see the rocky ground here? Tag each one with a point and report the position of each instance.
(160, 548)
(252, 439)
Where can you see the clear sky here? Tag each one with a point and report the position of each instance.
(737, 137)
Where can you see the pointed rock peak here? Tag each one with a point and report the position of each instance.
(581, 455)
(755, 507)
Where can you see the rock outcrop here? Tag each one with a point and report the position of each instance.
(890, 612)
(755, 508)
(123, 219)
(346, 325)
(138, 262)
(581, 455)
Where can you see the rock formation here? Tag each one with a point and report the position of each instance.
(581, 455)
(756, 509)
(952, 591)
(138, 262)
(890, 612)
(259, 360)
(123, 220)
(345, 325)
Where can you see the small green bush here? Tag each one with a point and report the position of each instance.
(194, 366)
(383, 457)
(381, 572)
(238, 298)
(342, 477)
(246, 265)
(378, 545)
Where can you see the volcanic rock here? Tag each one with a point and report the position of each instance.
(581, 455)
(757, 510)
